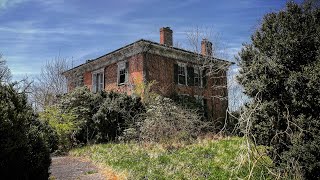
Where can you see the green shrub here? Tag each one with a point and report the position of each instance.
(48, 134)
(110, 116)
(281, 70)
(84, 117)
(64, 124)
(189, 102)
(117, 113)
(24, 151)
(83, 104)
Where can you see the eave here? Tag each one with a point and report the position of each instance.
(141, 46)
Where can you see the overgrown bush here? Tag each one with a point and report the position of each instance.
(165, 120)
(48, 133)
(83, 104)
(24, 151)
(84, 117)
(189, 102)
(117, 114)
(110, 116)
(64, 124)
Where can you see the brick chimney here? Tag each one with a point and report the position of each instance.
(206, 47)
(166, 36)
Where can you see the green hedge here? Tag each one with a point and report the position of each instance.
(25, 143)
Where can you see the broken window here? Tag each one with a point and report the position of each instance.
(123, 72)
(98, 81)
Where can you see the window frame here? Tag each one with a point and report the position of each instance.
(79, 81)
(198, 72)
(123, 66)
(98, 83)
(184, 67)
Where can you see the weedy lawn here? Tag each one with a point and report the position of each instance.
(226, 158)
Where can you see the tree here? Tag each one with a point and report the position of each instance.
(312, 3)
(280, 69)
(25, 144)
(49, 84)
(5, 74)
(211, 66)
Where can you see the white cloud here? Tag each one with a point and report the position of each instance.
(4, 4)
(31, 30)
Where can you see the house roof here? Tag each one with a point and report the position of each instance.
(130, 49)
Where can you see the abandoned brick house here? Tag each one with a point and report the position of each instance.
(175, 71)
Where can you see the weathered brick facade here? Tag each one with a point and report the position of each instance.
(146, 61)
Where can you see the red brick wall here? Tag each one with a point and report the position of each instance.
(110, 76)
(161, 69)
(87, 79)
(135, 75)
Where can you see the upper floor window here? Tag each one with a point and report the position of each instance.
(123, 75)
(189, 75)
(79, 81)
(182, 74)
(98, 80)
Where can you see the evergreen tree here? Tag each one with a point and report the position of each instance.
(281, 69)
(25, 143)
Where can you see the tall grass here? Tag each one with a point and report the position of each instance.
(205, 159)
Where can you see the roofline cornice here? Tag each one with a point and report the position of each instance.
(141, 46)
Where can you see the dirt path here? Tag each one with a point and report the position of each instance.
(67, 168)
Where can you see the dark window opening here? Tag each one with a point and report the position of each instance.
(197, 79)
(181, 75)
(122, 76)
(79, 81)
(205, 107)
(123, 73)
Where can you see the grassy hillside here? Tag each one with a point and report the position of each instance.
(206, 159)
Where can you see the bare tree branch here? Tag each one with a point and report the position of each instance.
(50, 83)
(5, 73)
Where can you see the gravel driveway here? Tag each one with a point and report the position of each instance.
(67, 168)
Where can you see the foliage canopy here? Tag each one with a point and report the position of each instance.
(280, 69)
(25, 142)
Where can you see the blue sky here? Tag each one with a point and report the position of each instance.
(35, 31)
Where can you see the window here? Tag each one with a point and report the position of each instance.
(123, 72)
(197, 77)
(182, 74)
(204, 78)
(79, 81)
(188, 75)
(98, 81)
(201, 100)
